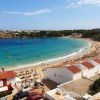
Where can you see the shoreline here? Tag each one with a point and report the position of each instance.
(46, 62)
(56, 61)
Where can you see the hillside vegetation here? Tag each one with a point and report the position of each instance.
(93, 34)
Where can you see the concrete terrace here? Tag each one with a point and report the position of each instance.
(79, 86)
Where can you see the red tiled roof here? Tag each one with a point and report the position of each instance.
(58, 66)
(73, 69)
(97, 60)
(88, 65)
(7, 74)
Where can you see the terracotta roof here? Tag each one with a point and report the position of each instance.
(88, 65)
(7, 74)
(73, 69)
(97, 60)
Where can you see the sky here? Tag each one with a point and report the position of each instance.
(49, 14)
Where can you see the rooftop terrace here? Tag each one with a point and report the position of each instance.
(79, 86)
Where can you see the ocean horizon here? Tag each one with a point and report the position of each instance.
(16, 52)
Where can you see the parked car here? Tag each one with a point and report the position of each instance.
(20, 95)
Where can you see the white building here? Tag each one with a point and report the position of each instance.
(60, 94)
(6, 79)
(96, 63)
(61, 74)
(88, 69)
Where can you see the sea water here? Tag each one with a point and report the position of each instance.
(15, 52)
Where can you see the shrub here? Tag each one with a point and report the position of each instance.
(95, 87)
(3, 94)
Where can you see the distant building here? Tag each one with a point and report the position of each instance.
(16, 33)
(6, 78)
(61, 74)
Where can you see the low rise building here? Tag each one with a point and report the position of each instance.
(61, 74)
(6, 79)
(75, 81)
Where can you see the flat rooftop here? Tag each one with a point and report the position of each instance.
(55, 96)
(79, 86)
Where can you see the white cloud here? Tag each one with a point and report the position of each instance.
(88, 2)
(32, 13)
(38, 12)
(80, 3)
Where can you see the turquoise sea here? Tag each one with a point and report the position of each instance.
(15, 52)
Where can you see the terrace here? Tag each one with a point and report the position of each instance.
(61, 94)
(79, 86)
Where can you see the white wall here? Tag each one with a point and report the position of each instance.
(95, 64)
(98, 68)
(50, 93)
(60, 75)
(50, 96)
(10, 80)
(68, 98)
(77, 76)
(89, 72)
(1, 83)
